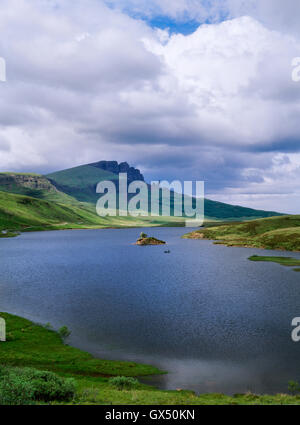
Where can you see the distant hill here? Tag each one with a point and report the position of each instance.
(76, 187)
(226, 212)
(270, 233)
(24, 213)
(80, 183)
(34, 185)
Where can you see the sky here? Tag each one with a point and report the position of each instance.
(182, 89)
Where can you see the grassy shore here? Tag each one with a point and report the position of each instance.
(282, 233)
(283, 261)
(19, 213)
(31, 345)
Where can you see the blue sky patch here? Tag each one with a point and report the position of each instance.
(174, 27)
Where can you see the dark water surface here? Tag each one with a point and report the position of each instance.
(216, 321)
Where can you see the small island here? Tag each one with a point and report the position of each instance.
(146, 240)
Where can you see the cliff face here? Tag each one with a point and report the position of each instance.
(116, 168)
(9, 182)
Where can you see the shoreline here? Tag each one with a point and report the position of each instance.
(12, 234)
(228, 245)
(36, 346)
(275, 233)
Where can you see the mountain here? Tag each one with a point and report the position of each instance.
(80, 183)
(67, 198)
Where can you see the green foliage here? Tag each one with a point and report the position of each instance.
(64, 332)
(143, 235)
(294, 387)
(14, 390)
(123, 383)
(48, 326)
(28, 386)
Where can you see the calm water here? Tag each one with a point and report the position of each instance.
(216, 321)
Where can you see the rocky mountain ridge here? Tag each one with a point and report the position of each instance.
(116, 168)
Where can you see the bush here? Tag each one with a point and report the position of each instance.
(294, 387)
(48, 326)
(14, 390)
(28, 386)
(64, 332)
(143, 235)
(123, 383)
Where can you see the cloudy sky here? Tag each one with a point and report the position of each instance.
(188, 89)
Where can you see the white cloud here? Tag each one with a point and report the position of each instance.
(275, 14)
(87, 83)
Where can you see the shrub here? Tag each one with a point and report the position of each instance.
(294, 387)
(14, 390)
(48, 326)
(123, 383)
(64, 332)
(143, 235)
(28, 386)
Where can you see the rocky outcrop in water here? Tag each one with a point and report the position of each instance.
(146, 240)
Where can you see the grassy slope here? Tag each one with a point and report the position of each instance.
(80, 183)
(9, 182)
(23, 213)
(226, 212)
(32, 345)
(271, 233)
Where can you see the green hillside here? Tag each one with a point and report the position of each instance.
(226, 212)
(34, 185)
(81, 182)
(271, 233)
(72, 192)
(23, 213)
